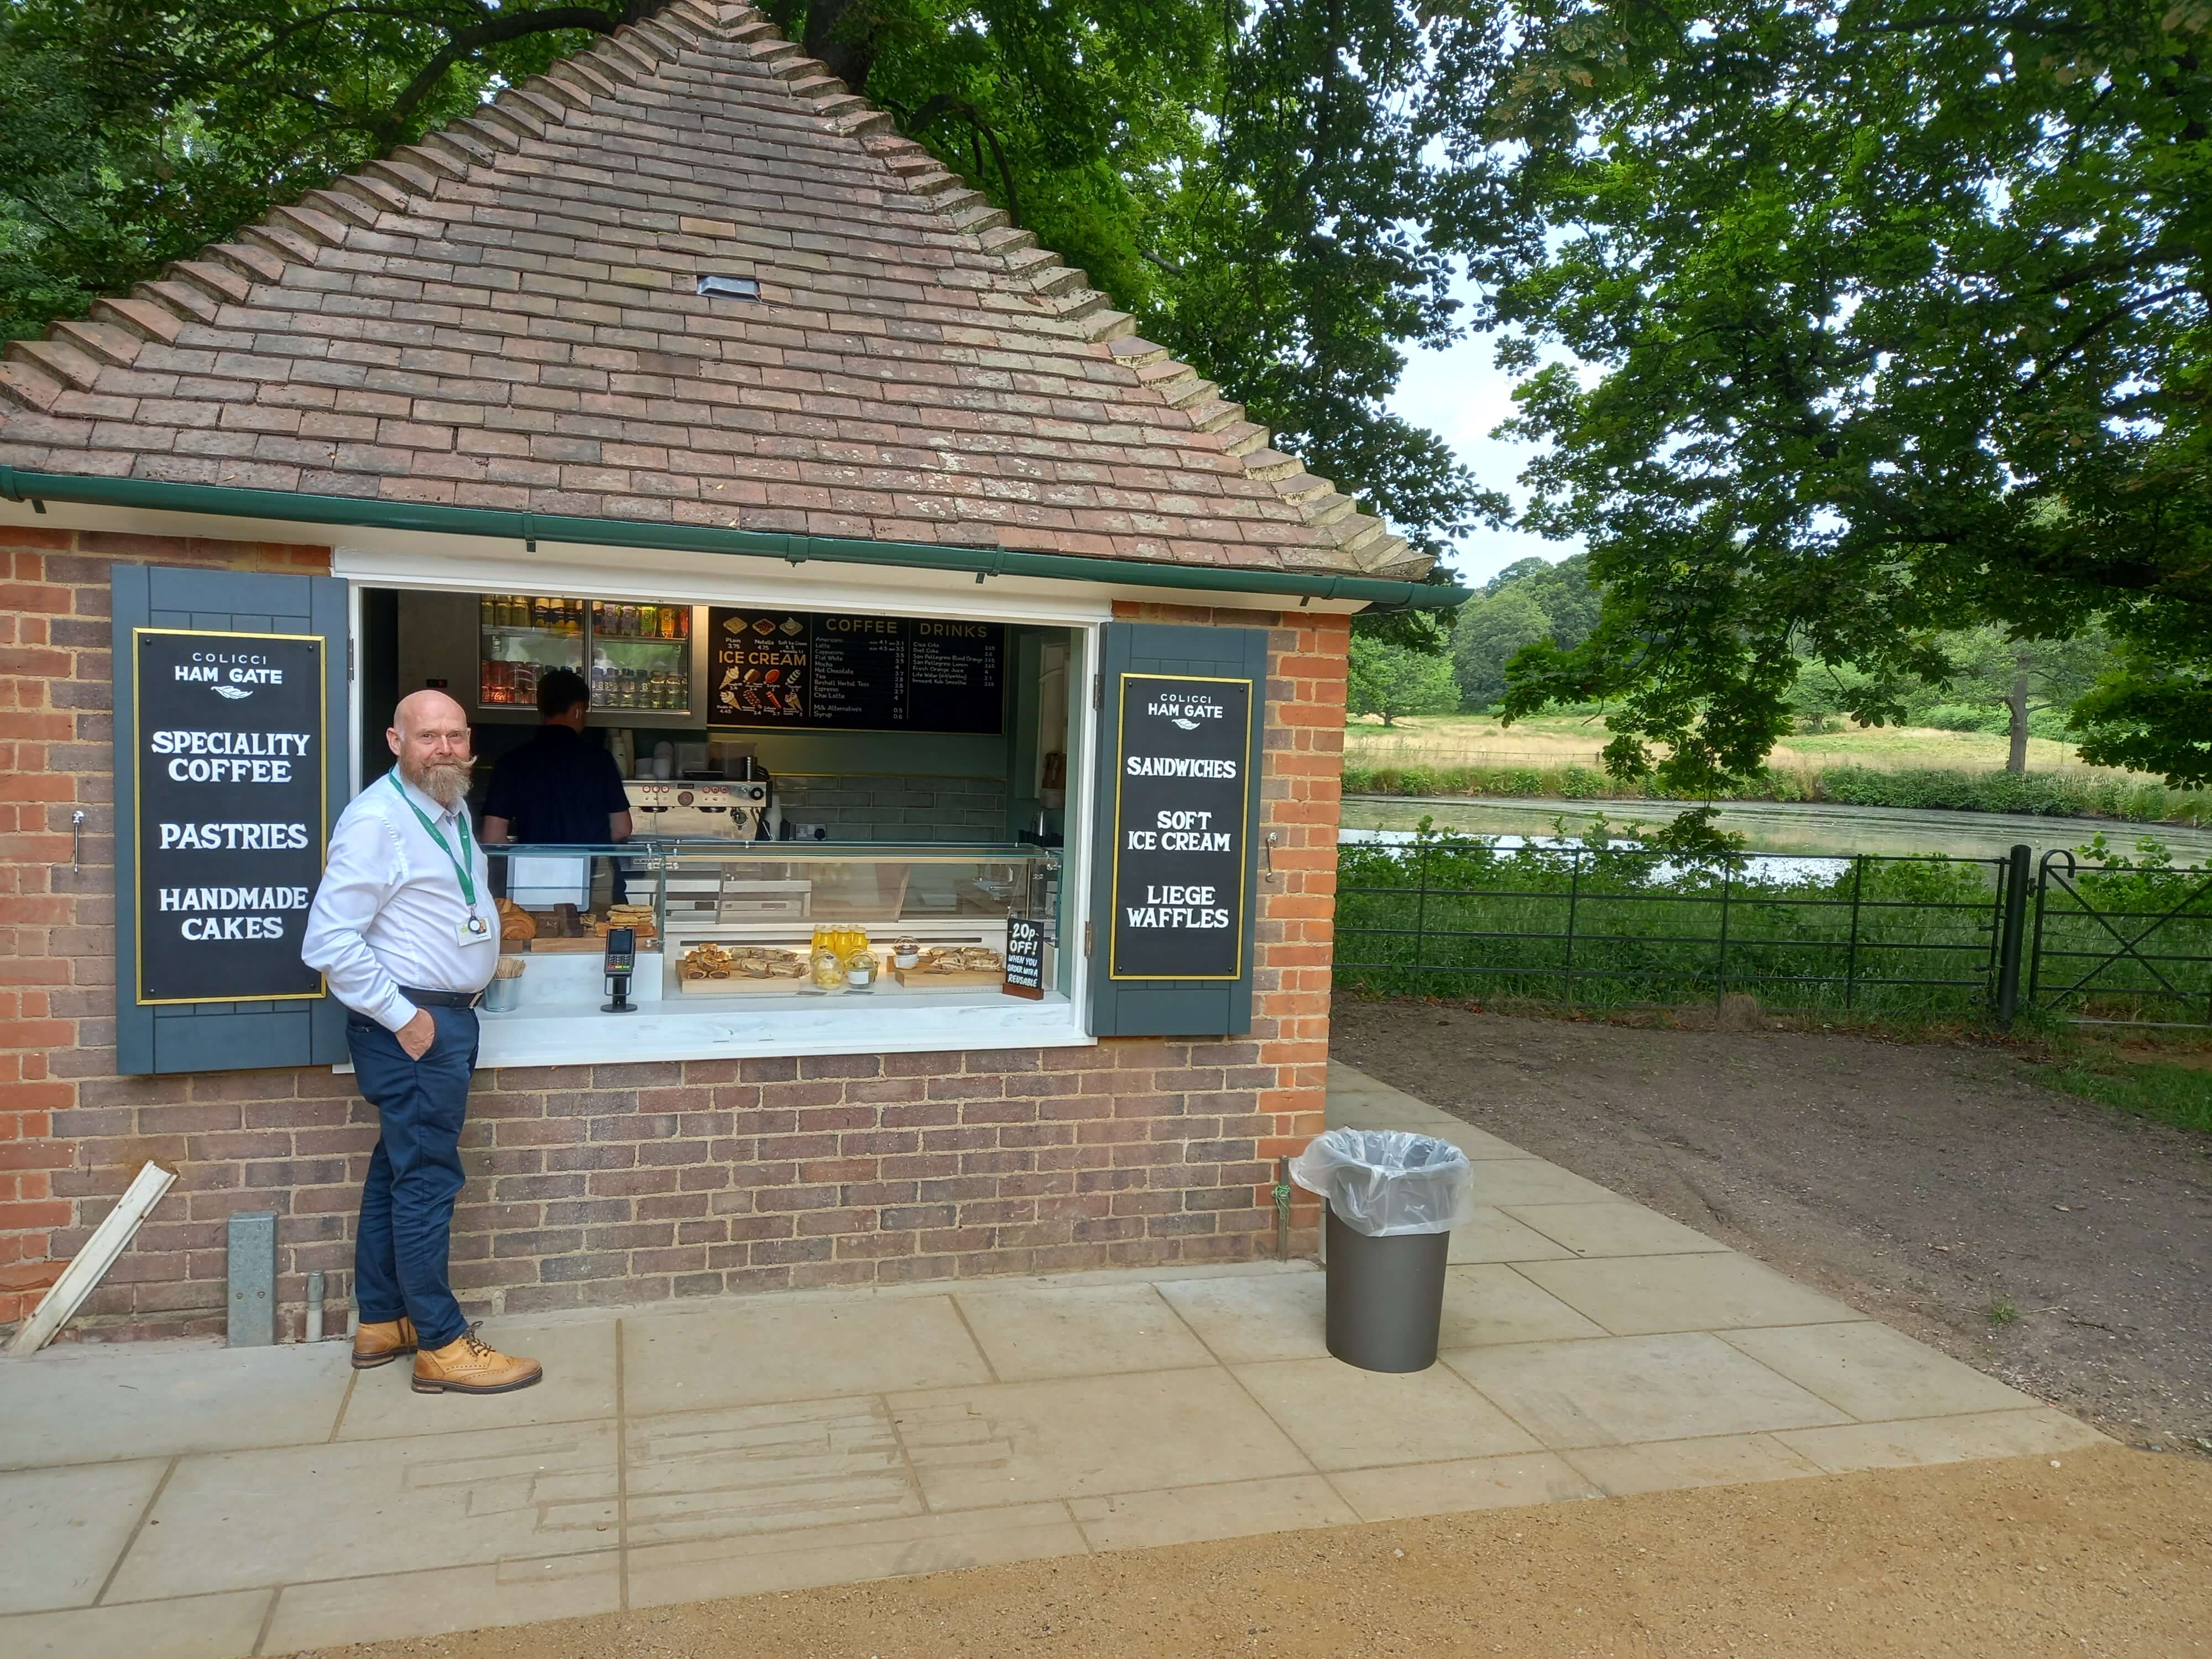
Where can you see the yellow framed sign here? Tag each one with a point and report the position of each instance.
(1181, 854)
(230, 813)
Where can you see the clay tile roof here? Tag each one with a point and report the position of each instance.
(507, 315)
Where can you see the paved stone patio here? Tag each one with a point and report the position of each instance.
(172, 1500)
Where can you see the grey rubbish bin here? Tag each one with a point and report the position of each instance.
(1394, 1198)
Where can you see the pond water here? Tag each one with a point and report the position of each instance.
(1787, 826)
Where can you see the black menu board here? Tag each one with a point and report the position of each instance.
(817, 671)
(230, 831)
(1180, 798)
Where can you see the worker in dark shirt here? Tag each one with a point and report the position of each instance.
(557, 789)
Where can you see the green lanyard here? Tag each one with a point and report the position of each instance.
(460, 828)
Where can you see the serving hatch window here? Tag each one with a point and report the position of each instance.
(847, 830)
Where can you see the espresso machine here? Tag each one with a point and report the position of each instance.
(740, 809)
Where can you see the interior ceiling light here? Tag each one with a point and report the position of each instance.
(729, 288)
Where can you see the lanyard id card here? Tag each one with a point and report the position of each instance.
(472, 928)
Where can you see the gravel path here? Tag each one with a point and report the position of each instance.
(2056, 1244)
(2107, 1557)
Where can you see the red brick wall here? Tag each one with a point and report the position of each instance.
(632, 1182)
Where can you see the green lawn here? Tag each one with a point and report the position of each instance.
(2155, 1088)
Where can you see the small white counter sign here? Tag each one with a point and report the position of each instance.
(230, 795)
(1180, 829)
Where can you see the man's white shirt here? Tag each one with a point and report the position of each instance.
(389, 911)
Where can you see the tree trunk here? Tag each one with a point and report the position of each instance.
(2016, 706)
(842, 34)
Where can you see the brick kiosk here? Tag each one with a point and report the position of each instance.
(500, 326)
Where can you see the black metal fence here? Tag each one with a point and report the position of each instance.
(2122, 944)
(1905, 936)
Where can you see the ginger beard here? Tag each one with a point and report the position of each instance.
(445, 781)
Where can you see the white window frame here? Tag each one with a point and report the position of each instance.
(434, 564)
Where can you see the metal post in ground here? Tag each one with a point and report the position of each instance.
(2011, 942)
(1574, 896)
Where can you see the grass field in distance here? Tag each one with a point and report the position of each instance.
(1549, 740)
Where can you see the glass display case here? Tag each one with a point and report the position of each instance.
(636, 657)
(718, 924)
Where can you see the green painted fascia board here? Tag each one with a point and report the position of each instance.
(531, 528)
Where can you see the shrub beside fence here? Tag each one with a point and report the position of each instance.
(1603, 925)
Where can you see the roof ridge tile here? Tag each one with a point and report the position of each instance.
(74, 368)
(29, 385)
(143, 315)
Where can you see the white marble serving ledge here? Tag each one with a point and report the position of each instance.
(703, 1027)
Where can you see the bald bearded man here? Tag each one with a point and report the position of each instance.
(403, 931)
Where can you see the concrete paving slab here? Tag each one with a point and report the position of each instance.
(1507, 1181)
(93, 1403)
(580, 1384)
(1494, 1235)
(301, 1514)
(1479, 1483)
(1614, 1228)
(1343, 1418)
(62, 1531)
(1640, 1295)
(1019, 1443)
(1489, 1303)
(198, 1627)
(441, 1601)
(694, 1571)
(1875, 1373)
(1479, 1145)
(764, 1468)
(1942, 1440)
(1030, 1333)
(1624, 1389)
(1725, 1460)
(1191, 1515)
(747, 1355)
(1243, 1320)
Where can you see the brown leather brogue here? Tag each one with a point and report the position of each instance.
(382, 1342)
(468, 1365)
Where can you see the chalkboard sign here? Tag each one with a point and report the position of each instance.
(1180, 796)
(818, 671)
(1025, 958)
(230, 831)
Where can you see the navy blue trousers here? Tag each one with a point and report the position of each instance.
(415, 1174)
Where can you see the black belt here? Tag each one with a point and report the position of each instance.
(442, 998)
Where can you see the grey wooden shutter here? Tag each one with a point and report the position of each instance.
(1123, 1004)
(167, 1036)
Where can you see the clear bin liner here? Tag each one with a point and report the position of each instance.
(1384, 1183)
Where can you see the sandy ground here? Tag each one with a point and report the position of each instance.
(2108, 1552)
(2063, 1246)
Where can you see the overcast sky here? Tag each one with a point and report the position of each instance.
(1459, 394)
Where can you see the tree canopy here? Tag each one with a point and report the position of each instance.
(1897, 317)
(1393, 680)
(1255, 186)
(1528, 601)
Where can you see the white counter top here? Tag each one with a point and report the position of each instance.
(546, 1033)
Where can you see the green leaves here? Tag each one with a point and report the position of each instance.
(1900, 323)
(1393, 681)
